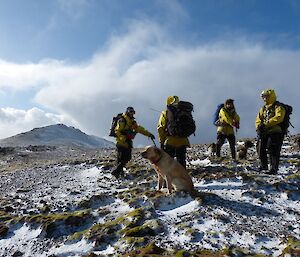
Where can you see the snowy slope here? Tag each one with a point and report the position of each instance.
(82, 210)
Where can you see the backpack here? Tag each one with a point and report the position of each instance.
(286, 120)
(180, 120)
(114, 122)
(216, 114)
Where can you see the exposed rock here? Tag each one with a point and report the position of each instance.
(3, 230)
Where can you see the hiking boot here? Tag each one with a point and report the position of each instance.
(272, 172)
(261, 168)
(116, 173)
(235, 161)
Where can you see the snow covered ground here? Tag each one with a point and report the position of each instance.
(76, 210)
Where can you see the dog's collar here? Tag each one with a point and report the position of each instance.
(157, 161)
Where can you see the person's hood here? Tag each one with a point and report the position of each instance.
(127, 117)
(271, 96)
(173, 99)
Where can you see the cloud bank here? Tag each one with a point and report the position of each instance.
(14, 121)
(141, 68)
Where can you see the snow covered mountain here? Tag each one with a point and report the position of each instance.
(58, 134)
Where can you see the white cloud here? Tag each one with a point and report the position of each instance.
(14, 121)
(143, 67)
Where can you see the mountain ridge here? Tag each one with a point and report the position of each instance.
(56, 134)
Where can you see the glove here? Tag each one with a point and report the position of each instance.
(261, 129)
(236, 124)
(152, 136)
(130, 136)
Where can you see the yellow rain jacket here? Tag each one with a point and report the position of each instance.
(227, 119)
(271, 114)
(126, 129)
(166, 139)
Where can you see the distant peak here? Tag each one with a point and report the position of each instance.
(56, 134)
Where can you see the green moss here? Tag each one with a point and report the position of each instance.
(131, 228)
(182, 253)
(4, 216)
(294, 161)
(294, 176)
(131, 194)
(139, 231)
(111, 230)
(149, 250)
(77, 235)
(200, 253)
(101, 233)
(66, 216)
(133, 218)
(52, 222)
(293, 247)
(134, 241)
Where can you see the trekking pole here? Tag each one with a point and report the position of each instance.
(152, 109)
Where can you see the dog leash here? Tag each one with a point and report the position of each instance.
(153, 142)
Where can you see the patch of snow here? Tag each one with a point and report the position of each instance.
(182, 208)
(72, 249)
(109, 250)
(92, 173)
(202, 163)
(23, 239)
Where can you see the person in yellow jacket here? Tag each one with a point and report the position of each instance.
(175, 146)
(270, 134)
(125, 131)
(228, 120)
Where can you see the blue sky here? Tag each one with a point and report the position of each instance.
(81, 61)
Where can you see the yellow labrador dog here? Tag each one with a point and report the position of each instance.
(169, 170)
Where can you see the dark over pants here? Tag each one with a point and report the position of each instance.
(178, 152)
(221, 140)
(270, 144)
(123, 157)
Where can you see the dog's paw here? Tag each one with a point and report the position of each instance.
(169, 192)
